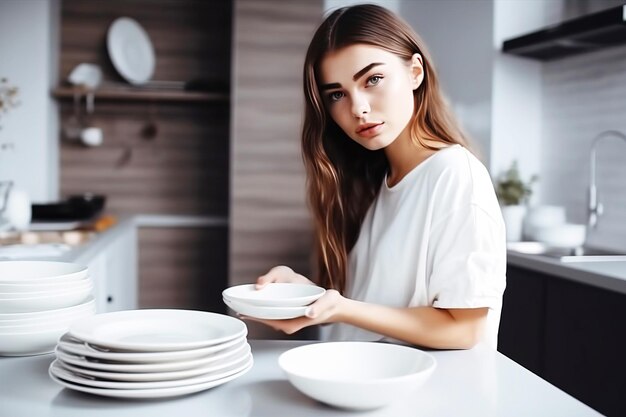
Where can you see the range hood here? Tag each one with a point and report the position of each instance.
(584, 34)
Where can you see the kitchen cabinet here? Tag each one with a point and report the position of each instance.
(570, 334)
(113, 268)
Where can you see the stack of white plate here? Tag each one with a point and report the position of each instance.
(275, 301)
(151, 353)
(38, 302)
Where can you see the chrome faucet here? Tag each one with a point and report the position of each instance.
(595, 207)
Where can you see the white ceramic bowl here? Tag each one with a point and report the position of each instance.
(30, 343)
(42, 325)
(542, 216)
(275, 294)
(265, 312)
(88, 304)
(45, 302)
(44, 286)
(357, 375)
(39, 272)
(562, 236)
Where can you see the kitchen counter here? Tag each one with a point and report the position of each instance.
(608, 275)
(477, 382)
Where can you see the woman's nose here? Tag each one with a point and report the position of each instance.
(360, 106)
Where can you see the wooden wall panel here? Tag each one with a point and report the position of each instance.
(270, 223)
(184, 168)
(183, 268)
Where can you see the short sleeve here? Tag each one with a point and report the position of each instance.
(466, 260)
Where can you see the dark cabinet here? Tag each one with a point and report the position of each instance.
(522, 325)
(571, 334)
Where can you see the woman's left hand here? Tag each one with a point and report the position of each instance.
(325, 310)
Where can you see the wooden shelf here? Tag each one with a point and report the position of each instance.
(138, 94)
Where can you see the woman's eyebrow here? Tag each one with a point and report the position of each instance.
(356, 76)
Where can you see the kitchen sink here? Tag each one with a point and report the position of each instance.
(580, 254)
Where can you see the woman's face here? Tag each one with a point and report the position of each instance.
(369, 93)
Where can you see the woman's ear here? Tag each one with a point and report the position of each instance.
(417, 71)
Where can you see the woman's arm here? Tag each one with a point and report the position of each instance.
(423, 326)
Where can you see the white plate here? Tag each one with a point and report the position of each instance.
(147, 367)
(275, 294)
(57, 370)
(131, 50)
(47, 292)
(151, 393)
(268, 313)
(69, 345)
(233, 358)
(158, 330)
(36, 272)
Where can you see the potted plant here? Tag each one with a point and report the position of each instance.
(513, 194)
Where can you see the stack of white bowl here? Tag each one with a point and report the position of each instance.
(275, 301)
(151, 353)
(38, 302)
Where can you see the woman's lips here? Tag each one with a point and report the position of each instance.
(369, 129)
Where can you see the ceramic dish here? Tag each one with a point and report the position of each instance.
(43, 286)
(149, 393)
(269, 313)
(275, 294)
(148, 367)
(84, 349)
(40, 272)
(131, 50)
(357, 375)
(46, 292)
(30, 343)
(158, 330)
(56, 368)
(218, 365)
(42, 325)
(88, 304)
(45, 302)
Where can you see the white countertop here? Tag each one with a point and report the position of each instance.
(478, 382)
(608, 275)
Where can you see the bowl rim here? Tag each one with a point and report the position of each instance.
(315, 293)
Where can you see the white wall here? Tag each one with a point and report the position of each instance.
(458, 35)
(28, 58)
(517, 106)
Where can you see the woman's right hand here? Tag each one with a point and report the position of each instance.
(281, 273)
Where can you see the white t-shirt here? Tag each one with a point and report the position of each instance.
(436, 239)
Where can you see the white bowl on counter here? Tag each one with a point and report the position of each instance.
(357, 375)
(565, 235)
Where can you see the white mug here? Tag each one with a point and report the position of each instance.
(18, 210)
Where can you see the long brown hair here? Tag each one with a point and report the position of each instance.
(343, 178)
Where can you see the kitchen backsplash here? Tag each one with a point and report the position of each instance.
(583, 96)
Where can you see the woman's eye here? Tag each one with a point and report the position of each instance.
(374, 79)
(335, 96)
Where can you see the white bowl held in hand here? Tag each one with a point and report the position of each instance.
(275, 294)
(357, 375)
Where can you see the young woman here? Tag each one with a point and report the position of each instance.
(410, 238)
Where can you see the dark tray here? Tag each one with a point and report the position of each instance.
(75, 207)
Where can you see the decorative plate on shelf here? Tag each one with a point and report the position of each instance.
(131, 50)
